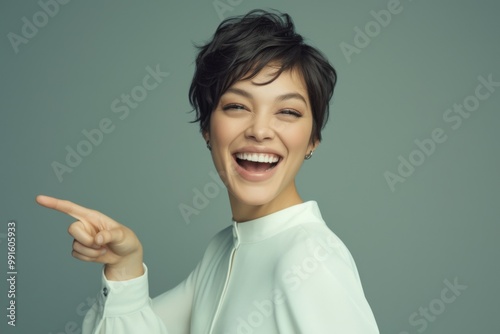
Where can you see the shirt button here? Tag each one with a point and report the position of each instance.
(105, 292)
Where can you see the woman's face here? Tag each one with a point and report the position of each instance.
(259, 136)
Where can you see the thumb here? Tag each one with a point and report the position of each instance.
(112, 236)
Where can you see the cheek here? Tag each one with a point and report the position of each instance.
(220, 132)
(223, 133)
(225, 129)
(216, 127)
(297, 138)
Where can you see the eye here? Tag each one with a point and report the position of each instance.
(291, 112)
(233, 106)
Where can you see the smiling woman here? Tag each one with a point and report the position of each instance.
(261, 96)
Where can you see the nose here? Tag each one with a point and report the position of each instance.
(260, 128)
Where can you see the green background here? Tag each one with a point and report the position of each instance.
(440, 224)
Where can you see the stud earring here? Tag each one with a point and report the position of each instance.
(209, 146)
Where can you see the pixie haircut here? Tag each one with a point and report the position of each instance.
(242, 46)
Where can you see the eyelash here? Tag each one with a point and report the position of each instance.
(290, 112)
(234, 106)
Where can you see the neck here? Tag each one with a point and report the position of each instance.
(243, 212)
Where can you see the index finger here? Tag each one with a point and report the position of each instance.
(64, 206)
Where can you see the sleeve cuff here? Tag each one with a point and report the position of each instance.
(122, 297)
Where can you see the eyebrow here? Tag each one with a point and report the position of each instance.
(280, 98)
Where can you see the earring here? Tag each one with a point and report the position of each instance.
(307, 157)
(209, 146)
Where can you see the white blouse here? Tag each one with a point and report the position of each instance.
(286, 273)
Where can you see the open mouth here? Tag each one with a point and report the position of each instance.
(257, 162)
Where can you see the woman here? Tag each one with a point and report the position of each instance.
(261, 96)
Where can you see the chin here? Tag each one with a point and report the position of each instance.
(254, 195)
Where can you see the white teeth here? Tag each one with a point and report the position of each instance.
(258, 157)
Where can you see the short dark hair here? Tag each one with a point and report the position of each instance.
(242, 46)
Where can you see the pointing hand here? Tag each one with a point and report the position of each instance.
(98, 238)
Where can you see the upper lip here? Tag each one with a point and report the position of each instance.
(257, 149)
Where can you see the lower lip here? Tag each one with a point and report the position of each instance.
(254, 176)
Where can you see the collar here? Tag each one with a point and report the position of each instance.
(265, 227)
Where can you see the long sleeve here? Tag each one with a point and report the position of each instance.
(125, 307)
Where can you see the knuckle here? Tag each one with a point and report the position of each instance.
(120, 234)
(94, 216)
(72, 228)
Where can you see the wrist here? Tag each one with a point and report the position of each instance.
(128, 268)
